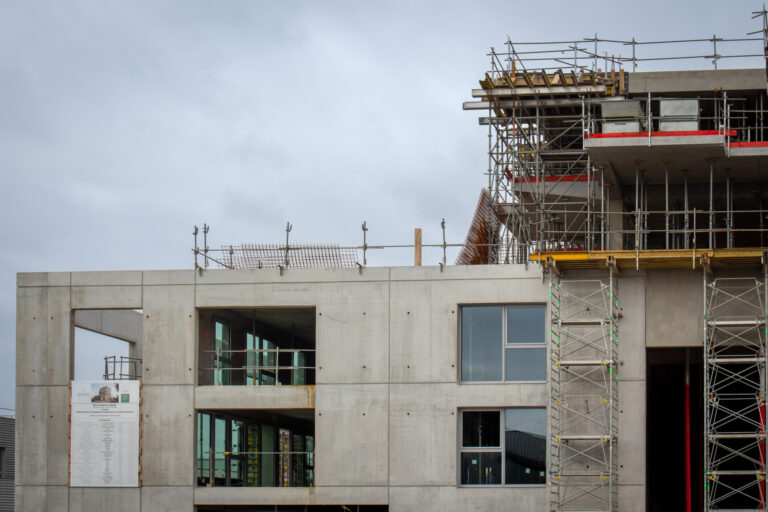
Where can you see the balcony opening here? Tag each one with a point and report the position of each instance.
(258, 448)
(257, 347)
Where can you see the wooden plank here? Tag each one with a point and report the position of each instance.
(622, 82)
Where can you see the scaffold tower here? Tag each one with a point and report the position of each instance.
(584, 394)
(735, 392)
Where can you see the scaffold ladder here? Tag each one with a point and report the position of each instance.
(584, 340)
(735, 313)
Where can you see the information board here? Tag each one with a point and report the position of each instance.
(104, 434)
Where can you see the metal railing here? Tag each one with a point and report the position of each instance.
(262, 367)
(592, 54)
(122, 368)
(223, 463)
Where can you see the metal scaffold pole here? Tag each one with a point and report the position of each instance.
(734, 392)
(584, 393)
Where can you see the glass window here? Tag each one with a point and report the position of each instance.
(525, 438)
(503, 343)
(526, 364)
(251, 359)
(236, 460)
(481, 343)
(252, 461)
(480, 428)
(523, 446)
(526, 324)
(223, 360)
(268, 448)
(203, 447)
(220, 446)
(480, 468)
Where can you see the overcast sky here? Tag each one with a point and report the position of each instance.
(123, 124)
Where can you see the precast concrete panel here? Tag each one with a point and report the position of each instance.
(24, 279)
(169, 335)
(632, 327)
(287, 293)
(493, 291)
(350, 434)
(107, 278)
(632, 435)
(409, 328)
(42, 443)
(168, 425)
(43, 336)
(37, 498)
(114, 499)
(501, 395)
(319, 495)
(353, 335)
(31, 336)
(106, 297)
(255, 397)
(410, 498)
(444, 337)
(461, 499)
(674, 305)
(632, 498)
(168, 277)
(166, 499)
(423, 434)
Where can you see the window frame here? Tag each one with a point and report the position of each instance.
(504, 345)
(461, 449)
(242, 459)
(218, 359)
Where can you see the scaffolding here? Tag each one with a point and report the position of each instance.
(584, 394)
(551, 104)
(735, 317)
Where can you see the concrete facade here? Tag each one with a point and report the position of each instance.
(387, 397)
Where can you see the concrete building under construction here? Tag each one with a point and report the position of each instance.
(601, 346)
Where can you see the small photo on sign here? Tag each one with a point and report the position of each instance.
(105, 393)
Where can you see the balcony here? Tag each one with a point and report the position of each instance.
(257, 347)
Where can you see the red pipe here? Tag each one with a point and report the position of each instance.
(687, 444)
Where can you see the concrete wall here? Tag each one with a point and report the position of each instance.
(706, 81)
(387, 397)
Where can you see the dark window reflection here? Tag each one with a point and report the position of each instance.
(480, 468)
(525, 446)
(480, 428)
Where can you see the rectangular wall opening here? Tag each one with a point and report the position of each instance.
(258, 448)
(256, 347)
(107, 344)
(666, 432)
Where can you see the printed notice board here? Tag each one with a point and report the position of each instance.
(104, 434)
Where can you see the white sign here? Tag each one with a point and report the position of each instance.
(104, 434)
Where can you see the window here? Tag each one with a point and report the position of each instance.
(2, 459)
(509, 442)
(250, 451)
(256, 346)
(223, 361)
(503, 343)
